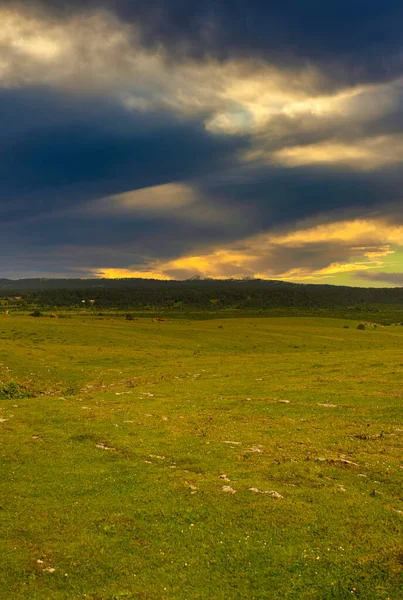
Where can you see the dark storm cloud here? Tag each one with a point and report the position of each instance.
(58, 151)
(65, 151)
(362, 39)
(76, 246)
(279, 197)
(279, 130)
(152, 237)
(381, 277)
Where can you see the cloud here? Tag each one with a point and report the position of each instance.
(287, 33)
(368, 153)
(395, 279)
(289, 112)
(315, 253)
(62, 152)
(165, 198)
(200, 139)
(38, 49)
(169, 201)
(96, 51)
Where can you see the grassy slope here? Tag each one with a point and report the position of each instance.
(111, 475)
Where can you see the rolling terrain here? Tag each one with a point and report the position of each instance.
(227, 459)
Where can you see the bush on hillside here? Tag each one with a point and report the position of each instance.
(13, 391)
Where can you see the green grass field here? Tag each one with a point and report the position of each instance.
(222, 459)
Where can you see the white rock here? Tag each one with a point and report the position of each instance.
(227, 488)
(270, 492)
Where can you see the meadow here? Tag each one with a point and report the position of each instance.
(246, 458)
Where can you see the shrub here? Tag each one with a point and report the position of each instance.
(129, 317)
(72, 390)
(361, 326)
(36, 313)
(12, 391)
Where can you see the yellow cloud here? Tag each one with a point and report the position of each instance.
(321, 153)
(347, 231)
(38, 47)
(128, 273)
(158, 198)
(331, 271)
(29, 36)
(305, 254)
(177, 201)
(365, 154)
(337, 268)
(84, 52)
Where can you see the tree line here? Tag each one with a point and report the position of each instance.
(143, 294)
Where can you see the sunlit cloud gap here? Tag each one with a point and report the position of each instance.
(296, 256)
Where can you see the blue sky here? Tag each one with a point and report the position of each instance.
(219, 139)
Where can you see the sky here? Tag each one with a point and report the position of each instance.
(224, 138)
